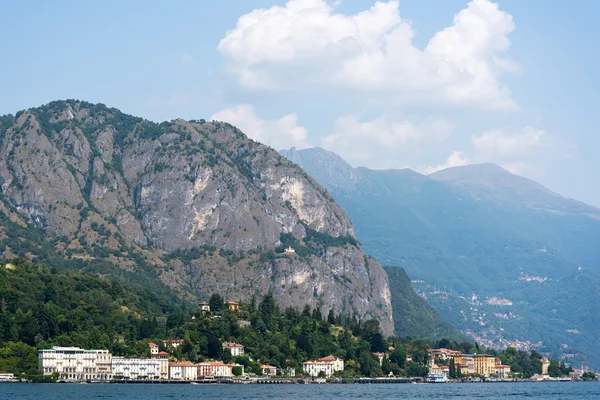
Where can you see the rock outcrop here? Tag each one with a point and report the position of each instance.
(197, 203)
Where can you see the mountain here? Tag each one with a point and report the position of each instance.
(193, 207)
(499, 256)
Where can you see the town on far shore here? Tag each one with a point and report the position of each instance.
(175, 360)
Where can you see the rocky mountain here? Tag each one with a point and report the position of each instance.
(193, 205)
(499, 256)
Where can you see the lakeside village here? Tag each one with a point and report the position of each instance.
(395, 361)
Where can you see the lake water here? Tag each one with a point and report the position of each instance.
(513, 391)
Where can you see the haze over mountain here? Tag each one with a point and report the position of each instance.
(496, 254)
(190, 206)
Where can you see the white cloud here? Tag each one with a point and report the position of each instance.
(499, 144)
(456, 159)
(186, 60)
(281, 133)
(306, 42)
(383, 142)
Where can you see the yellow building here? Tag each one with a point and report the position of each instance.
(484, 364)
(480, 364)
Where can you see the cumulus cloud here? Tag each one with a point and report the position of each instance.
(500, 144)
(456, 159)
(307, 42)
(383, 141)
(280, 133)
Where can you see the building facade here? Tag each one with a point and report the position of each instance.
(183, 371)
(75, 364)
(136, 368)
(236, 349)
(217, 369)
(327, 365)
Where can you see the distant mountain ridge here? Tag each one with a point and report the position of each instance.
(474, 233)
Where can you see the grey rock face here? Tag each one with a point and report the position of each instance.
(158, 193)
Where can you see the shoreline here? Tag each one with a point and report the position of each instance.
(284, 381)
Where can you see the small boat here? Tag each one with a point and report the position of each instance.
(437, 378)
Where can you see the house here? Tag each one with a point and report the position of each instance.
(217, 369)
(435, 369)
(204, 307)
(379, 356)
(236, 349)
(267, 369)
(502, 371)
(328, 365)
(290, 250)
(153, 348)
(232, 306)
(184, 371)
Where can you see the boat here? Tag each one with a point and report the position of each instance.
(437, 378)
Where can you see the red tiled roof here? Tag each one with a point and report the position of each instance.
(329, 358)
(231, 344)
(182, 364)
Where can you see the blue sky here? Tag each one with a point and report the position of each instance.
(419, 84)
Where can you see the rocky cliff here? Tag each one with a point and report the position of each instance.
(194, 203)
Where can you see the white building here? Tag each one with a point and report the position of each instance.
(136, 368)
(183, 371)
(267, 369)
(75, 364)
(328, 365)
(236, 349)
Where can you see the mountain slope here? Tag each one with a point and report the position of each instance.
(195, 204)
(479, 230)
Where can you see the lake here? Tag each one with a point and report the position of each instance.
(513, 391)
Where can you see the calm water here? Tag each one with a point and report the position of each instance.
(554, 390)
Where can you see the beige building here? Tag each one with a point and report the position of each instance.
(153, 348)
(163, 359)
(545, 365)
(75, 364)
(267, 369)
(217, 369)
(183, 371)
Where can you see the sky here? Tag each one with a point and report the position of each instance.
(423, 84)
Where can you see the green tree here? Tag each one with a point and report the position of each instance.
(215, 302)
(226, 356)
(386, 367)
(398, 355)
